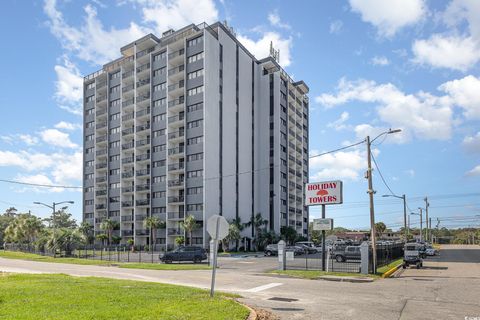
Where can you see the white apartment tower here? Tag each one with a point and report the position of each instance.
(193, 124)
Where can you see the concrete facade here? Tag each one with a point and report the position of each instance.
(193, 124)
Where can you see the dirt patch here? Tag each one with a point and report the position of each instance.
(265, 315)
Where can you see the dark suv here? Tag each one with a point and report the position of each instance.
(350, 253)
(189, 253)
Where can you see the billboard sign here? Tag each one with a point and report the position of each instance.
(322, 224)
(327, 192)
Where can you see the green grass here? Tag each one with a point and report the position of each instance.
(395, 263)
(315, 274)
(29, 296)
(150, 266)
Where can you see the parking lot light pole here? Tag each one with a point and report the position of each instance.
(404, 212)
(54, 204)
(421, 225)
(371, 193)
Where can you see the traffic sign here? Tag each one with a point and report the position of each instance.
(217, 227)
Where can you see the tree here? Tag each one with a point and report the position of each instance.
(11, 212)
(86, 229)
(5, 220)
(24, 228)
(289, 234)
(108, 225)
(257, 223)
(180, 240)
(153, 223)
(380, 228)
(266, 237)
(65, 239)
(102, 237)
(240, 226)
(189, 225)
(233, 235)
(61, 219)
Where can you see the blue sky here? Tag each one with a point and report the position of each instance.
(370, 65)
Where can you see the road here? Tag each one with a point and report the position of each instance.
(447, 288)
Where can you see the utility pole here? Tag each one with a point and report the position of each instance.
(430, 229)
(421, 225)
(372, 210)
(426, 218)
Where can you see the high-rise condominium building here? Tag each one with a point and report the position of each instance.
(193, 124)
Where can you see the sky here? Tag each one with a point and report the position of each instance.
(371, 65)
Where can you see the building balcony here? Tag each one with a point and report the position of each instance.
(176, 183)
(174, 232)
(101, 165)
(143, 98)
(142, 232)
(128, 103)
(143, 127)
(176, 199)
(144, 52)
(128, 145)
(143, 202)
(142, 187)
(176, 56)
(143, 82)
(177, 104)
(101, 99)
(101, 84)
(143, 68)
(101, 152)
(128, 160)
(142, 172)
(128, 174)
(101, 125)
(101, 179)
(176, 87)
(102, 192)
(127, 74)
(128, 189)
(142, 113)
(176, 120)
(128, 88)
(176, 166)
(176, 151)
(143, 143)
(127, 233)
(127, 218)
(174, 71)
(143, 157)
(127, 204)
(101, 112)
(128, 116)
(176, 215)
(102, 138)
(128, 131)
(101, 206)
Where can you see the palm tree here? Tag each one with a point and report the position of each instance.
(189, 224)
(86, 229)
(102, 237)
(109, 225)
(240, 226)
(257, 223)
(233, 235)
(153, 223)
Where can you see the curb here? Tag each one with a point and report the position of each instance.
(346, 279)
(391, 271)
(253, 313)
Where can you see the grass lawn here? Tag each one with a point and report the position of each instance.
(33, 296)
(151, 266)
(314, 274)
(382, 270)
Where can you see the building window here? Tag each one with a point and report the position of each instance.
(158, 164)
(159, 72)
(114, 213)
(159, 87)
(91, 85)
(195, 41)
(195, 207)
(114, 144)
(89, 124)
(89, 98)
(159, 102)
(159, 194)
(88, 189)
(195, 140)
(195, 74)
(195, 91)
(115, 185)
(195, 107)
(159, 209)
(114, 171)
(89, 111)
(88, 202)
(195, 174)
(89, 137)
(195, 57)
(114, 199)
(88, 176)
(194, 124)
(114, 158)
(115, 130)
(115, 75)
(195, 190)
(89, 150)
(115, 102)
(160, 56)
(195, 156)
(115, 89)
(159, 133)
(159, 117)
(115, 116)
(89, 163)
(159, 179)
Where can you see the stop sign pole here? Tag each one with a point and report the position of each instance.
(217, 227)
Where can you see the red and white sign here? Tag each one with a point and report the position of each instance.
(327, 192)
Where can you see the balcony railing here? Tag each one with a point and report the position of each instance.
(176, 199)
(127, 233)
(128, 102)
(142, 172)
(101, 179)
(128, 160)
(128, 116)
(144, 52)
(127, 219)
(127, 204)
(143, 97)
(143, 67)
(126, 132)
(128, 145)
(101, 98)
(142, 157)
(101, 125)
(101, 206)
(177, 150)
(128, 189)
(101, 165)
(142, 232)
(143, 142)
(128, 88)
(142, 202)
(176, 118)
(143, 112)
(101, 152)
(101, 84)
(176, 53)
(176, 70)
(175, 182)
(142, 187)
(177, 85)
(127, 74)
(176, 215)
(174, 232)
(176, 134)
(176, 166)
(143, 82)
(101, 112)
(101, 138)
(128, 174)
(176, 102)
(101, 192)
(143, 127)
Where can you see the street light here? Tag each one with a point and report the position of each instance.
(421, 226)
(404, 212)
(53, 217)
(371, 192)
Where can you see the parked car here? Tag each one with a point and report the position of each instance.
(188, 253)
(272, 250)
(350, 253)
(431, 251)
(413, 255)
(307, 246)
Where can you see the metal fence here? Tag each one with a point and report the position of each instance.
(387, 253)
(313, 261)
(117, 253)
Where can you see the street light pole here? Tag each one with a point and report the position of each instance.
(371, 192)
(403, 197)
(426, 218)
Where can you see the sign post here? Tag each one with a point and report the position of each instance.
(323, 193)
(217, 227)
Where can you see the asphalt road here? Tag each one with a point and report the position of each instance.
(447, 288)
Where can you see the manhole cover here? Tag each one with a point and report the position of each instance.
(283, 299)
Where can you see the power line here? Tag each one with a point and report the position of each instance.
(336, 150)
(39, 185)
(381, 176)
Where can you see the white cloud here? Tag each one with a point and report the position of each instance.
(410, 173)
(465, 93)
(364, 130)
(380, 61)
(68, 125)
(69, 87)
(472, 143)
(174, 14)
(25, 138)
(261, 48)
(452, 52)
(57, 138)
(336, 26)
(36, 179)
(339, 165)
(422, 114)
(91, 41)
(458, 11)
(274, 19)
(474, 172)
(339, 124)
(389, 16)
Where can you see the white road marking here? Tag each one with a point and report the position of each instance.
(264, 287)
